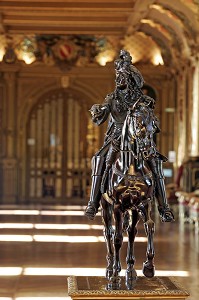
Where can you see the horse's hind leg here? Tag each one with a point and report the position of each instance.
(148, 265)
(108, 235)
(131, 274)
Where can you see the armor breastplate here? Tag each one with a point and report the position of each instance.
(118, 109)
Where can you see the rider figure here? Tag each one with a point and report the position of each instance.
(127, 93)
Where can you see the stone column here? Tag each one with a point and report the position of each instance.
(191, 167)
(70, 146)
(181, 116)
(191, 164)
(8, 163)
(194, 113)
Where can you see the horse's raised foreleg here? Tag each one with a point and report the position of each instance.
(148, 265)
(131, 274)
(115, 280)
(108, 235)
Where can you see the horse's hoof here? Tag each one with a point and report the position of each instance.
(166, 214)
(148, 270)
(114, 283)
(130, 285)
(113, 286)
(131, 277)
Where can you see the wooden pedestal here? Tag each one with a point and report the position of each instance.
(94, 287)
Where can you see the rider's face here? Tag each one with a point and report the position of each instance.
(121, 80)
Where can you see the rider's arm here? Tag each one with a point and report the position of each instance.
(100, 112)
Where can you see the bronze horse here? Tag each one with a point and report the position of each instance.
(129, 197)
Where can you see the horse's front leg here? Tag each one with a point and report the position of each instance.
(108, 234)
(131, 274)
(148, 265)
(118, 239)
(115, 280)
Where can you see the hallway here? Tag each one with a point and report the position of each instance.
(41, 246)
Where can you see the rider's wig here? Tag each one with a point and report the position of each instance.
(124, 65)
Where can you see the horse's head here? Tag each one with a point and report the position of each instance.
(138, 130)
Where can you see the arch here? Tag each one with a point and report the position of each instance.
(161, 40)
(176, 23)
(57, 146)
(83, 94)
(173, 25)
(183, 12)
(33, 95)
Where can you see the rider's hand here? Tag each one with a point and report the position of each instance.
(96, 109)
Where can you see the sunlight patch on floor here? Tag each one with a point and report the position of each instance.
(49, 226)
(42, 212)
(10, 271)
(16, 225)
(59, 238)
(28, 212)
(15, 238)
(33, 271)
(91, 272)
(52, 226)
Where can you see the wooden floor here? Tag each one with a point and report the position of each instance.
(41, 246)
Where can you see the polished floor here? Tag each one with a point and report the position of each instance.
(41, 246)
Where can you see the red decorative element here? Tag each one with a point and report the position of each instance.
(65, 51)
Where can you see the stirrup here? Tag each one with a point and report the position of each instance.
(90, 211)
(166, 214)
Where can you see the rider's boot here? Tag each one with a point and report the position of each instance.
(165, 212)
(95, 196)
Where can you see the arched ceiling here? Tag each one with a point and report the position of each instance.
(173, 25)
(155, 32)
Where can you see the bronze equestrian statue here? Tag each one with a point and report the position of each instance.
(127, 172)
(127, 93)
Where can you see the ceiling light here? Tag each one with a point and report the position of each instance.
(157, 59)
(2, 52)
(105, 56)
(28, 58)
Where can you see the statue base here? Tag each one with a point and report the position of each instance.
(94, 287)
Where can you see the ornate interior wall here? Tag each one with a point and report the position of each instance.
(46, 132)
(40, 41)
(47, 136)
